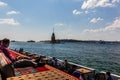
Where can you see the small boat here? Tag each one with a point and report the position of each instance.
(31, 41)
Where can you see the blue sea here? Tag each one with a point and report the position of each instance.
(101, 57)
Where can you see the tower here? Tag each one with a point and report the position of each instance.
(53, 40)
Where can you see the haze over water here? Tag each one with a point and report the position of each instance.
(102, 57)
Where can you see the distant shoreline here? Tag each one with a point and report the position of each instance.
(85, 41)
(72, 40)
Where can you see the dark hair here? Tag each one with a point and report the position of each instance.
(5, 41)
(108, 73)
(65, 60)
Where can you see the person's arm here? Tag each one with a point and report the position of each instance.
(7, 54)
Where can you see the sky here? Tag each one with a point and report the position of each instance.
(24, 20)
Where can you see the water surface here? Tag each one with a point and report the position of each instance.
(102, 57)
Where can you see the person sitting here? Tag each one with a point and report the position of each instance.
(21, 50)
(100, 76)
(4, 45)
(66, 64)
(77, 74)
(109, 77)
(54, 62)
(7, 70)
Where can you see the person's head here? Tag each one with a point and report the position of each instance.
(65, 60)
(5, 42)
(108, 73)
(54, 58)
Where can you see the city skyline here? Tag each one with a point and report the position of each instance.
(23, 20)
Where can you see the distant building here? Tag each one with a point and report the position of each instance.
(53, 40)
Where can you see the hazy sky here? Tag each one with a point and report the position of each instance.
(72, 19)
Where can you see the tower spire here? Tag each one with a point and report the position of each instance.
(53, 29)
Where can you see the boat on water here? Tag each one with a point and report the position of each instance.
(31, 41)
(49, 71)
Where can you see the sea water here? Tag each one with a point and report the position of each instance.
(101, 57)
